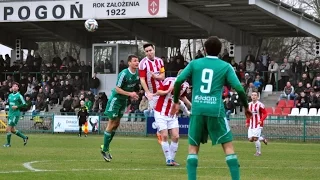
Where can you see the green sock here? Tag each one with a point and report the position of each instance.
(18, 133)
(8, 138)
(112, 134)
(232, 161)
(192, 164)
(106, 141)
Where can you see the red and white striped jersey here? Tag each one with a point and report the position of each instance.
(259, 113)
(165, 102)
(146, 66)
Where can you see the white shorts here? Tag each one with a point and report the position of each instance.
(153, 102)
(165, 122)
(256, 132)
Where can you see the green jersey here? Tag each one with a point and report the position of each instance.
(15, 99)
(209, 76)
(127, 81)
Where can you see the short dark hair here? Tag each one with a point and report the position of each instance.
(15, 83)
(147, 45)
(255, 91)
(213, 46)
(130, 57)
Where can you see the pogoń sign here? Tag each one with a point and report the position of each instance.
(81, 10)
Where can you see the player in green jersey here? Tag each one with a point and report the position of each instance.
(209, 75)
(16, 102)
(127, 86)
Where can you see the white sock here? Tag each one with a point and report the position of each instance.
(258, 146)
(173, 149)
(166, 150)
(261, 138)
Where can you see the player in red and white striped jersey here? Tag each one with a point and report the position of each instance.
(169, 124)
(255, 123)
(151, 72)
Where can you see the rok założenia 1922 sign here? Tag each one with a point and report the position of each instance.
(81, 10)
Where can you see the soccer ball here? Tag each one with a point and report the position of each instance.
(91, 25)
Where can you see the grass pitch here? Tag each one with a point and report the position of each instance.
(70, 157)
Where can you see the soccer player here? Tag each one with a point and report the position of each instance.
(168, 124)
(151, 72)
(127, 85)
(208, 117)
(82, 117)
(255, 123)
(16, 102)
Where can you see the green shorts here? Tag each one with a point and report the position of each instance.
(216, 127)
(13, 120)
(115, 108)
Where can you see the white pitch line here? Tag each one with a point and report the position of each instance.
(28, 165)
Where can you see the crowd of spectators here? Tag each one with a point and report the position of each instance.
(302, 82)
(67, 81)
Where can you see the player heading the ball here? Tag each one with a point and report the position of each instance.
(127, 85)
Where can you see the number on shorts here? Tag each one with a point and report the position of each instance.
(206, 79)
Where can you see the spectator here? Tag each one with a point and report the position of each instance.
(274, 75)
(305, 80)
(250, 89)
(247, 80)
(67, 106)
(308, 89)
(122, 66)
(299, 89)
(303, 101)
(297, 69)
(90, 96)
(67, 89)
(28, 105)
(53, 98)
(88, 104)
(200, 55)
(258, 83)
(75, 103)
(316, 83)
(288, 92)
(39, 106)
(229, 107)
(284, 72)
(312, 100)
(29, 89)
(94, 84)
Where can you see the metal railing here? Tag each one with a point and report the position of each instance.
(305, 129)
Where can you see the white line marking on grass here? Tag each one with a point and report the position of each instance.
(9, 172)
(28, 165)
